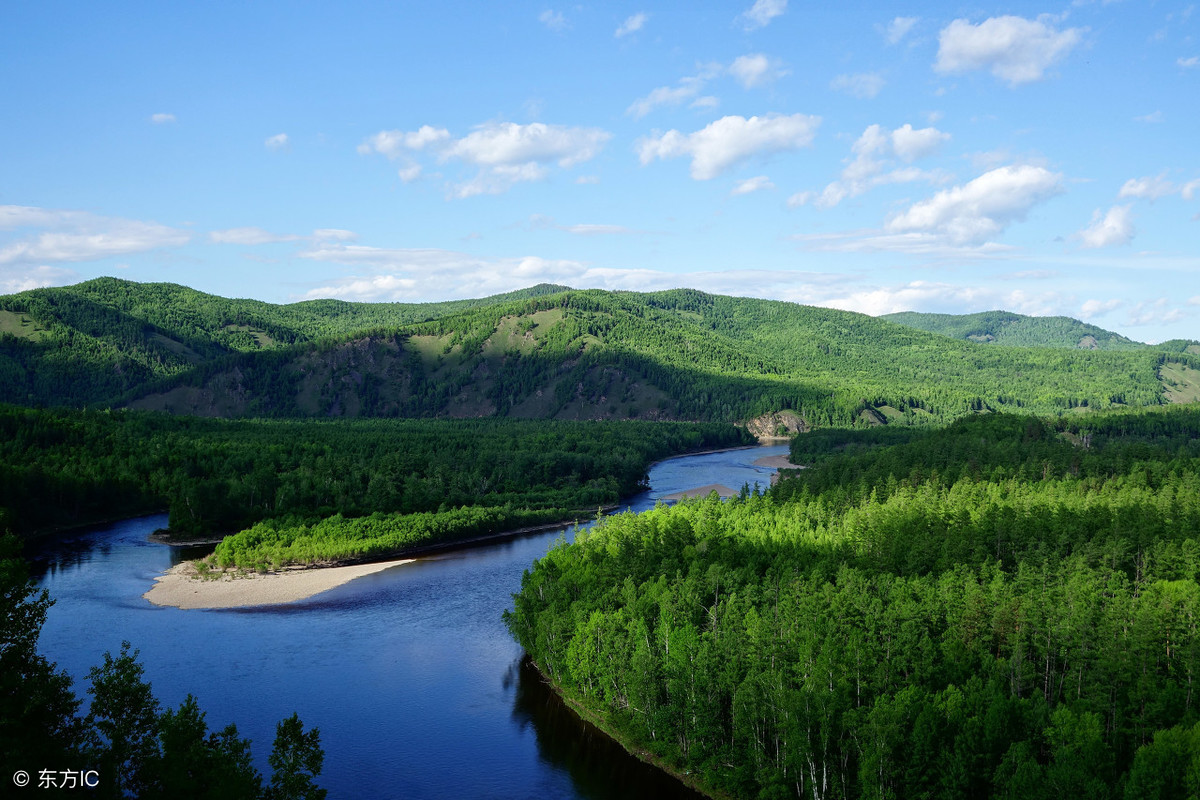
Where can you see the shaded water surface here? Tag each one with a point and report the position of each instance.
(409, 673)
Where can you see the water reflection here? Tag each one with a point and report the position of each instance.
(599, 767)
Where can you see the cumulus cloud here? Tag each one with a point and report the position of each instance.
(632, 24)
(1151, 312)
(929, 296)
(73, 236)
(755, 184)
(731, 140)
(506, 153)
(761, 13)
(1098, 308)
(277, 142)
(162, 119)
(981, 209)
(23, 279)
(687, 89)
(871, 165)
(910, 144)
(1149, 188)
(554, 20)
(755, 70)
(1108, 230)
(1014, 49)
(1188, 63)
(393, 144)
(1189, 189)
(898, 28)
(863, 85)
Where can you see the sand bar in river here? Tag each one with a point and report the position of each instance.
(182, 587)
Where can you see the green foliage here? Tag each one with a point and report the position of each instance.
(37, 707)
(1017, 330)
(296, 761)
(1007, 607)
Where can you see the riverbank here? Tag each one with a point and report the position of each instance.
(587, 716)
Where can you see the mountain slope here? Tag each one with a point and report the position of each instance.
(677, 355)
(1004, 327)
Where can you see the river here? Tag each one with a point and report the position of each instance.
(409, 673)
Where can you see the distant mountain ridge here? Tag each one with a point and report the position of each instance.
(543, 352)
(1019, 330)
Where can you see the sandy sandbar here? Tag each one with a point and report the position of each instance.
(701, 491)
(776, 462)
(182, 587)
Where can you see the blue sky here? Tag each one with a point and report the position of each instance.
(1039, 158)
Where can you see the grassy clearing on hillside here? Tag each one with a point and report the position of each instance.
(1181, 383)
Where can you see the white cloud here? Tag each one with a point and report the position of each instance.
(867, 169)
(1098, 308)
(731, 140)
(509, 144)
(984, 207)
(707, 101)
(755, 70)
(71, 236)
(542, 222)
(1108, 230)
(1188, 63)
(898, 28)
(505, 152)
(335, 234)
(863, 85)
(13, 280)
(408, 275)
(762, 12)
(930, 296)
(251, 235)
(631, 25)
(162, 119)
(755, 184)
(909, 144)
(1189, 189)
(584, 180)
(1014, 49)
(665, 96)
(1152, 118)
(1149, 188)
(248, 236)
(277, 142)
(554, 20)
(1150, 312)
(393, 144)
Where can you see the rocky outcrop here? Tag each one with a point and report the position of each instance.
(777, 425)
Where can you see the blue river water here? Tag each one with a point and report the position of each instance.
(409, 673)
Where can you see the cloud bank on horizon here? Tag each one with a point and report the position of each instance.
(1040, 159)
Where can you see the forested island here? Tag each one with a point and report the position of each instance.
(986, 582)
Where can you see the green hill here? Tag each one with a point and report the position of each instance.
(1004, 327)
(545, 352)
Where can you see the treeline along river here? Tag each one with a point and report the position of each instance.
(410, 675)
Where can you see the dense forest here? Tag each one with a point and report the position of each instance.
(410, 481)
(550, 352)
(1004, 607)
(1018, 330)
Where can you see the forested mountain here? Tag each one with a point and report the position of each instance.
(545, 352)
(1018, 330)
